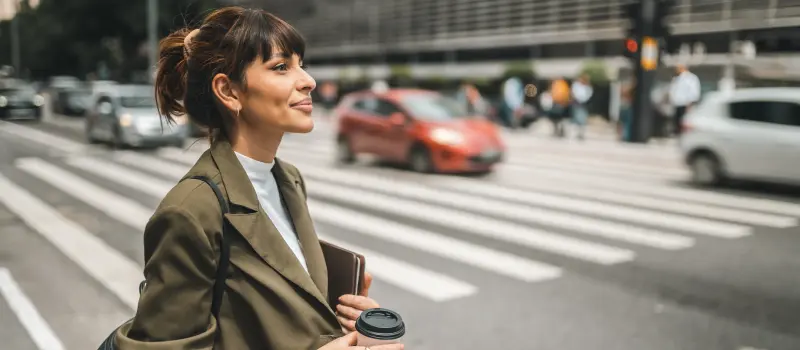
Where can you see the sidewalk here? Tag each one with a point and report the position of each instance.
(597, 129)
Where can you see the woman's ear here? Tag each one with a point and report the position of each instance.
(226, 92)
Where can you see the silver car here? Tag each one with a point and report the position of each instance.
(127, 116)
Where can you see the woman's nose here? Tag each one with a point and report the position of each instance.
(306, 82)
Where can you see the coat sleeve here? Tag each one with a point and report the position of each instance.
(174, 310)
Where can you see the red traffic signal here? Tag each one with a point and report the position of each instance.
(631, 45)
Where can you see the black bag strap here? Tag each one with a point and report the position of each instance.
(225, 248)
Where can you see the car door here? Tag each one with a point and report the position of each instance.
(785, 115)
(392, 139)
(755, 142)
(364, 125)
(746, 152)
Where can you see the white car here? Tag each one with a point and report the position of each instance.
(749, 134)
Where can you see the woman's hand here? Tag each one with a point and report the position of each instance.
(350, 306)
(349, 341)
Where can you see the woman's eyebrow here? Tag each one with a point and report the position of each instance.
(280, 55)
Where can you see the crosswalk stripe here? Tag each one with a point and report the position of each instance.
(121, 175)
(113, 270)
(43, 138)
(656, 190)
(112, 204)
(38, 329)
(606, 229)
(429, 284)
(640, 216)
(603, 195)
(437, 244)
(589, 171)
(532, 160)
(154, 164)
(476, 224)
(183, 156)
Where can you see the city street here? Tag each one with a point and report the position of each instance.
(567, 246)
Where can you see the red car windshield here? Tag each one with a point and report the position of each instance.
(434, 107)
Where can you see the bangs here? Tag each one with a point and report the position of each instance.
(260, 34)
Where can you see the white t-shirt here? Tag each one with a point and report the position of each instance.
(269, 198)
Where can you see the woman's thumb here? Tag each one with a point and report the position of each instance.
(350, 339)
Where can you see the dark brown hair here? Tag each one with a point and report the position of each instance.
(227, 41)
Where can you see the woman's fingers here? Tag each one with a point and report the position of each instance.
(367, 284)
(358, 302)
(350, 325)
(348, 312)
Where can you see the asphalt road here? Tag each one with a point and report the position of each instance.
(568, 246)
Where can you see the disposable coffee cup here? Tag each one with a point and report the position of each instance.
(379, 326)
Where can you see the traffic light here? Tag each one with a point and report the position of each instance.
(631, 48)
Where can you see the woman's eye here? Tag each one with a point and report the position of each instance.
(280, 67)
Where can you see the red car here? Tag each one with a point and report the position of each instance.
(424, 129)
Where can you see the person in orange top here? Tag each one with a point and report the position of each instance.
(561, 96)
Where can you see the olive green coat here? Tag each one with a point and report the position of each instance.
(270, 300)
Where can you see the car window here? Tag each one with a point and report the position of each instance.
(385, 108)
(434, 107)
(366, 105)
(772, 112)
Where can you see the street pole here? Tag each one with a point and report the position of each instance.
(15, 50)
(152, 38)
(645, 73)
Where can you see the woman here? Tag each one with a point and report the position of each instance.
(240, 75)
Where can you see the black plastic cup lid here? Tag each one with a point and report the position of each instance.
(381, 324)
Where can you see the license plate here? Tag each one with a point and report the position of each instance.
(21, 112)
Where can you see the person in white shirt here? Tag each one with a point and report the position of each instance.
(581, 94)
(684, 92)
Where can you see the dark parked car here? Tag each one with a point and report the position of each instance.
(20, 101)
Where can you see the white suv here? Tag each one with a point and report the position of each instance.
(747, 134)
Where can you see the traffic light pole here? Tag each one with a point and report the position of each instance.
(645, 62)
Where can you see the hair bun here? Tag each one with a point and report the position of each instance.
(187, 40)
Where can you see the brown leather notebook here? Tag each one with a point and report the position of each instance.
(345, 271)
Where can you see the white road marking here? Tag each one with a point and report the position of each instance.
(113, 270)
(488, 259)
(426, 283)
(124, 176)
(112, 204)
(476, 224)
(577, 223)
(38, 329)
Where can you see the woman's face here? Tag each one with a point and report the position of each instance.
(278, 95)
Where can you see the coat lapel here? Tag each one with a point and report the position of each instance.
(255, 226)
(290, 188)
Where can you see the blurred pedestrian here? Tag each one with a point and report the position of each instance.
(683, 93)
(581, 94)
(471, 98)
(513, 101)
(241, 75)
(561, 98)
(627, 93)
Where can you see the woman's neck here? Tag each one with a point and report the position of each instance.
(256, 144)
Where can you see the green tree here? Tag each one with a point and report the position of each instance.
(74, 37)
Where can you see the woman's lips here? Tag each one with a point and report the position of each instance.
(304, 105)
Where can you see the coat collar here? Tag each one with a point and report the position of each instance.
(254, 225)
